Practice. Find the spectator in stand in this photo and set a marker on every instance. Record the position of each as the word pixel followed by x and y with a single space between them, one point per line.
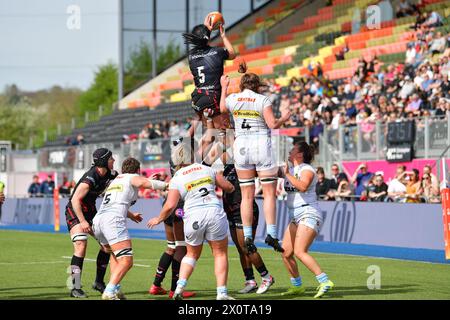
pixel 65 188
pixel 361 179
pixel 344 191
pixel 397 186
pixel 152 133
pixel 378 192
pixel 337 176
pixel 404 9
pixel 407 88
pixel 438 44
pixel 430 192
pixel 35 187
pixel 324 186
pixel 174 129
pixel 414 105
pixel 434 20
pixel 315 132
pixel 434 180
pixel 144 133
pixel 47 187
pixel 413 186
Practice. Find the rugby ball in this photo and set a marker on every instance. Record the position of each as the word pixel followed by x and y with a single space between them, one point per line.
pixel 216 19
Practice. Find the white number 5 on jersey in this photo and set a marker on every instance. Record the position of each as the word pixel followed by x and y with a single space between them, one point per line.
pixel 201 75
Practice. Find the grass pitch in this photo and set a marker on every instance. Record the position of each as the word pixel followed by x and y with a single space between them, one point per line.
pixel 33 266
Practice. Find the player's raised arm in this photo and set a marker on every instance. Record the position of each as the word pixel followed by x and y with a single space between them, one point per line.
pixel 224 81
pixel 227 44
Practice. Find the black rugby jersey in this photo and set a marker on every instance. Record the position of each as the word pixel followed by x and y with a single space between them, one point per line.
pixel 207 67
pixel 97 185
pixel 173 170
pixel 232 201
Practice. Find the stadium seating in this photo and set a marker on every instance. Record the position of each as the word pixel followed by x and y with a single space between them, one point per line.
pixel 315 40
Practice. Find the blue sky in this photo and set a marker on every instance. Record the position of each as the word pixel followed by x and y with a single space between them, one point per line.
pixel 38 50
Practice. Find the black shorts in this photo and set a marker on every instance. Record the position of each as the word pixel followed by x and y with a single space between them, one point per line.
pixel 72 219
pixel 171 219
pixel 203 99
pixel 235 220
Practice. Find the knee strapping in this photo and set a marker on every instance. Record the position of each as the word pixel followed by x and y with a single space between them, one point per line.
pixel 268 180
pixel 180 243
pixel 171 244
pixel 127 252
pixel 79 237
pixel 246 182
pixel 190 261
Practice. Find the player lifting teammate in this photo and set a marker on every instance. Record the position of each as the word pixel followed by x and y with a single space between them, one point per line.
pixel 175 251
pixel 204 218
pixel 80 211
pixel 232 206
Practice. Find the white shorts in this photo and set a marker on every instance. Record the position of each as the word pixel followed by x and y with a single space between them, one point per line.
pixel 110 228
pixel 208 223
pixel 253 152
pixel 309 216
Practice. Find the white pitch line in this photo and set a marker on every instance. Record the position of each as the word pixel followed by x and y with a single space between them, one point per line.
pixel 35 262
pixel 93 260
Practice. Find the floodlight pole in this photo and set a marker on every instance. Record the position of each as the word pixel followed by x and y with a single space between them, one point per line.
pixel 120 64
pixel 154 51
pixel 187 23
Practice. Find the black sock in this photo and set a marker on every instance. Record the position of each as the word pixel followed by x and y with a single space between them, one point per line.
pixel 262 270
pixel 164 263
pixel 102 264
pixel 76 263
pixel 248 272
pixel 175 274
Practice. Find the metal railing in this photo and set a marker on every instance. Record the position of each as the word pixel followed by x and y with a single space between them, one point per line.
pixel 368 141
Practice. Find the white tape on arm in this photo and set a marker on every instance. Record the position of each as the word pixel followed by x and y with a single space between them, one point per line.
pixel 158 185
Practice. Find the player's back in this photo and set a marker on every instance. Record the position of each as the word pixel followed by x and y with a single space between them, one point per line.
pixel 206 66
pixel 196 184
pixel 120 195
pixel 247 108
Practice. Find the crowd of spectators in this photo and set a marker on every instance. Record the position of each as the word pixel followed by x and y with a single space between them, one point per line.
pixel 419 86
pixel 47 187
pixel 165 129
pixel 364 185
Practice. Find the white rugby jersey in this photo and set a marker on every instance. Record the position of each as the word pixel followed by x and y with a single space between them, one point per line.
pixel 247 108
pixel 295 198
pixel 196 184
pixel 120 194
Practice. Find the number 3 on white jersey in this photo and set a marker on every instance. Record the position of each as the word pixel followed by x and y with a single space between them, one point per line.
pixel 201 75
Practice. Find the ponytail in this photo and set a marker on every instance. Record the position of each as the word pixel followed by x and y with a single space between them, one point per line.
pixel 198 38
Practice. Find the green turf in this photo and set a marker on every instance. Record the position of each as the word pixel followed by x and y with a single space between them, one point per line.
pixel 32 267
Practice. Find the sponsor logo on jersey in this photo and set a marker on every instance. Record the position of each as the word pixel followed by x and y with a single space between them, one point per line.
pixel 116 187
pixel 246 114
pixel 198 183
